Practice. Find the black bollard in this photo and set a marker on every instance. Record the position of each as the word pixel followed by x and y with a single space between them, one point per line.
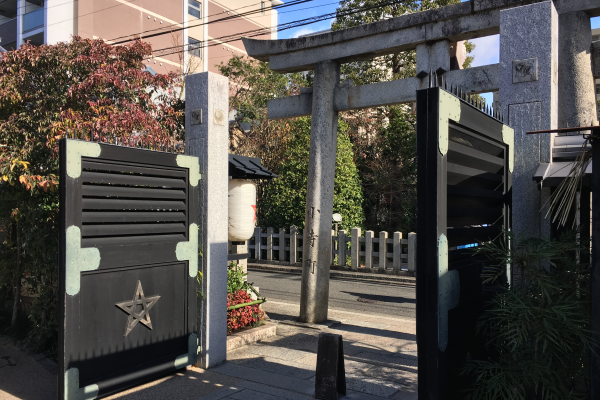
pixel 331 375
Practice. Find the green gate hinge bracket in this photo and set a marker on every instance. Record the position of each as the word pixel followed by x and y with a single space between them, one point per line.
pixel 188 251
pixel 77 149
pixel 448 291
pixel 191 357
pixel 78 260
pixel 449 109
pixel 508 137
pixel 72 389
pixel 193 165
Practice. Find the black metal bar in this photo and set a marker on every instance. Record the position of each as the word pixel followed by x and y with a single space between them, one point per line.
pixel 241 256
pixel 595 271
pixel 565 130
pixel 423 187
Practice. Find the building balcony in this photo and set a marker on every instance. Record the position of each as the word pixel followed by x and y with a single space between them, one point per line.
pixel 33 20
pixel 8 33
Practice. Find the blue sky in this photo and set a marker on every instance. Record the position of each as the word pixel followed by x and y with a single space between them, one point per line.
pixel 486 50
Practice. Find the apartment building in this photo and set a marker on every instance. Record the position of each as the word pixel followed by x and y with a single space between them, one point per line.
pixel 188 34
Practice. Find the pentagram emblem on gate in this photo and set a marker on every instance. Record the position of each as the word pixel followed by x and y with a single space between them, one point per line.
pixel 132 308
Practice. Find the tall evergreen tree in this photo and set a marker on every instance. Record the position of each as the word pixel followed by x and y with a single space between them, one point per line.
pixel 284 200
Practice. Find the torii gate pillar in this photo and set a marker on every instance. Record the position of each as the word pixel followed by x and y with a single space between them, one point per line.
pixel 316 248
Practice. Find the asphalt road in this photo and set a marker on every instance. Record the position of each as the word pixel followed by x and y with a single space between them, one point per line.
pixel 393 299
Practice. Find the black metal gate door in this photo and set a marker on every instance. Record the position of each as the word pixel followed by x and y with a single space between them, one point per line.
pixel 465 162
pixel 128 262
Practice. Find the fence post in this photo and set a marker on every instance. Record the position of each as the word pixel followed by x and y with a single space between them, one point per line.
pixel 342 247
pixel 369 249
pixel 257 241
pixel 281 244
pixel 397 250
pixel 332 248
pixel 355 248
pixel 383 261
pixel 269 243
pixel 412 251
pixel 293 244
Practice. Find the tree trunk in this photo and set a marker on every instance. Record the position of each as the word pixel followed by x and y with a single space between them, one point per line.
pixel 17 280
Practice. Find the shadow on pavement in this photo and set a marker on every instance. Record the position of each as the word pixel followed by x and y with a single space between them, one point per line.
pixel 373 331
pixel 381 299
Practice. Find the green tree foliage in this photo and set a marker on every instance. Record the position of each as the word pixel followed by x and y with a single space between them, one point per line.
pixel 394 66
pixel 469 47
pixel 388 168
pixel 538 329
pixel 284 200
pixel 252 84
pixel 384 138
pixel 84 88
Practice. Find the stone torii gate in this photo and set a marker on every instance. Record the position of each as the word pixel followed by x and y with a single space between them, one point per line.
pixel 529 40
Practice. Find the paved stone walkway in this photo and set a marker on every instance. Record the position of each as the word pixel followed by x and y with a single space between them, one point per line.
pixel 380 362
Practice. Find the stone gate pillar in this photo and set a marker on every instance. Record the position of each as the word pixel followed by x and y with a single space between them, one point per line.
pixel 433 57
pixel 207 137
pixel 316 247
pixel 577 97
pixel 529 99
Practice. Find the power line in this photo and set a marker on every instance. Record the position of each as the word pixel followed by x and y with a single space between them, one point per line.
pixel 118 5
pixel 230 17
pixel 152 30
pixel 234 16
pixel 280 27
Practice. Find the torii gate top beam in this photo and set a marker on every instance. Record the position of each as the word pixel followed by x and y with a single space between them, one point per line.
pixel 468 20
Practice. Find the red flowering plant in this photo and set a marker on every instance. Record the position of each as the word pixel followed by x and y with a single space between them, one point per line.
pixel 238 289
pixel 247 316
pixel 83 88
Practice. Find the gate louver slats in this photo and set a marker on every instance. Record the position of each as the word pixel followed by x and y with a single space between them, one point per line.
pixel 124 214
pixel 464 197
pixel 126 192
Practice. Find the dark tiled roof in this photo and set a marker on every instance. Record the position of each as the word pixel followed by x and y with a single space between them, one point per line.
pixel 241 167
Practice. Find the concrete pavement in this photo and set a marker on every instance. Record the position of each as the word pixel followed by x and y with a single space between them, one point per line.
pixel 380 360
pixel 24 375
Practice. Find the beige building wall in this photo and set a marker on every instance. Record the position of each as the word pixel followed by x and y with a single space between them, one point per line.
pixel 115 20
pixel 220 50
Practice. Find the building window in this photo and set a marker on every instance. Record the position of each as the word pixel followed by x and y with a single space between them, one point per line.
pixel 194 8
pixel 262 7
pixel 194 47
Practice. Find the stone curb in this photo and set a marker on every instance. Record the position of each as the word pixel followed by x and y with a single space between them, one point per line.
pixel 337 274
pixel 252 335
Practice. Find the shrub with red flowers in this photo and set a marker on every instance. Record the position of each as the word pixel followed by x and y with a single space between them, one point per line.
pixel 247 316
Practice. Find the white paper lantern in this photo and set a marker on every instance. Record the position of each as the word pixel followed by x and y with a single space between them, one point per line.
pixel 242 209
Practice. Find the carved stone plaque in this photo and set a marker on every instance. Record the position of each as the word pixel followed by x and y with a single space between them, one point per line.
pixel 197 116
pixel 219 117
pixel 525 70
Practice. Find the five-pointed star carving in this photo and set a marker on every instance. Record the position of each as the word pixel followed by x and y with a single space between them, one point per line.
pixel 131 308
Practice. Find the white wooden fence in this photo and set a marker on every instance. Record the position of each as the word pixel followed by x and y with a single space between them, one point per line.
pixel 365 251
